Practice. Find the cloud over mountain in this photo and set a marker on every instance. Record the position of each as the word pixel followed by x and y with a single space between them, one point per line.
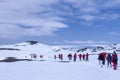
pixel 23 18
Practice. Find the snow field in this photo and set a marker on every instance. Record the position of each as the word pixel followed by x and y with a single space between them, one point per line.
pixel 55 70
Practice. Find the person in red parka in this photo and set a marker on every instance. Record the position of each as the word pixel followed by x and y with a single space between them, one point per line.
pixel 60 56
pixel 80 56
pixel 75 56
pixel 83 56
pixel 104 55
pixel 114 60
pixel 87 56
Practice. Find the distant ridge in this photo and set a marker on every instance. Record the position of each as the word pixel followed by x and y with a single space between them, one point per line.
pixel 32 42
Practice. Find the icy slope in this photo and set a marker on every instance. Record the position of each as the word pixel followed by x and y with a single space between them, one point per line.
pixel 54 70
pixel 24 50
pixel 88 48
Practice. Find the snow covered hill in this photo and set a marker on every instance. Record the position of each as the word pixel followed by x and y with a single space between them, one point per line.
pixel 25 49
pixel 93 49
pixel 55 69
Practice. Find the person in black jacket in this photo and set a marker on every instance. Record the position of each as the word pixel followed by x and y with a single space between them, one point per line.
pixel 109 59
pixel 101 59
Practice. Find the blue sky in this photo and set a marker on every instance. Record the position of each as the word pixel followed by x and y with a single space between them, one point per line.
pixel 55 22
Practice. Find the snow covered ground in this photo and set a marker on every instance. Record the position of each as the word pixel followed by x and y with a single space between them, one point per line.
pixel 54 70
pixel 51 69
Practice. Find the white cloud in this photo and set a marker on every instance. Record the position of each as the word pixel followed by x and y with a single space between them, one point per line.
pixel 85 42
pixel 87 17
pixel 114 33
pixel 38 15
pixel 35 27
pixel 44 19
pixel 81 3
pixel 9 31
pixel 109 16
pixel 91 10
pixel 112 3
pixel 106 16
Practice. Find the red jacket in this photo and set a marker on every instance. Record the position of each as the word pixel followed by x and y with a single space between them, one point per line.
pixel 75 56
pixel 87 55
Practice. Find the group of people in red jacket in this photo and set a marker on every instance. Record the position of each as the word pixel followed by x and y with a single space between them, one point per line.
pixel 80 56
pixel 111 59
pixel 74 56
pixel 60 56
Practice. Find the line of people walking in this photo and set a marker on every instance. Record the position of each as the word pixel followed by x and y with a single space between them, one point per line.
pixel 111 59
pixel 80 56
pixel 74 56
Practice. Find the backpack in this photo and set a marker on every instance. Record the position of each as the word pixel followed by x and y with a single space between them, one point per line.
pixel 115 58
pixel 101 57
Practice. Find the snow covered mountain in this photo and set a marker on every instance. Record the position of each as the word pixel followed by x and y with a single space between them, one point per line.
pixel 88 48
pixel 25 49
pixel 50 68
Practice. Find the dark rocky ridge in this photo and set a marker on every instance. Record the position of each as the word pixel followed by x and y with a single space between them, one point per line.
pixel 9 49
